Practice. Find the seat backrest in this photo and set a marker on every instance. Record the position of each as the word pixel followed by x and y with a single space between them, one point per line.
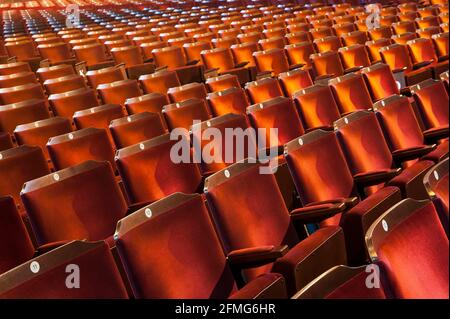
pixel 54 72
pixel 244 52
pixel 230 140
pixel 220 58
pixel 263 90
pixel 399 122
pixel 363 142
pixel 78 146
pixel 278 113
pixel 149 173
pixel 46 276
pixel 222 82
pixel 129 55
pixel 232 100
pixel 23 112
pixel 37 133
pixel 172 57
pixel 240 197
pixel 432 99
pixel 374 48
pixel 273 60
pixel 136 128
pixel 159 82
pixel 183 223
pixel 317 106
pixel 354 56
pixel 380 81
pixel 118 92
pixel 21 93
pixel 16 246
pixel 105 75
pixel 342 282
pixel 318 166
pixel 351 93
pixel 441 44
pixel 294 81
pixel 187 91
pixel 330 43
pixel 59 209
pixel 65 83
pixel 327 63
pixel 152 102
pixel 299 53
pixel 183 114
pixel 397 57
pixel 422 50
pixel 67 103
pixel 393 242
pixel 18 165
pixel 436 183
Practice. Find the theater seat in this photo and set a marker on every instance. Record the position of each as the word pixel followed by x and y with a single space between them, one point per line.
pixel 152 102
pixel 16 246
pixel 67 103
pixel 436 183
pixel 23 112
pixel 231 100
pixel 380 81
pixel 37 133
pixel 321 175
pixel 342 282
pixel 432 100
pixel 60 210
pixel 45 277
pixel 5 141
pixel 183 221
pixel 275 235
pixel 118 92
pixel 294 81
pixel 222 82
pixel 411 272
pixel 136 128
pixel 263 90
pixel 187 91
pixel 149 173
pixel 78 146
pixel 18 165
pixel 402 130
pixel 368 155
pixel 159 82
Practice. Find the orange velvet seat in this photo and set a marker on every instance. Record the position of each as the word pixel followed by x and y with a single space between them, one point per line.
pixel 159 82
pixel 232 100
pixel 294 81
pixel 23 112
pixel 263 90
pixel 18 165
pixel 187 91
pixel 243 181
pixel 380 81
pixel 317 106
pixel 183 114
pixel 152 102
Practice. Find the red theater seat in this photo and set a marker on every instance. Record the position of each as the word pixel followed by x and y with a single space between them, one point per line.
pixel 317 106
pixel 322 176
pixel 54 72
pixel 183 221
pixel 380 81
pixel 410 271
pixel 232 100
pixel 368 155
pixel 78 146
pixel 16 246
pixel 342 282
pixel 275 232
pixel 159 82
pixel 136 128
pixel 45 277
pixel 263 90
pixel 60 210
pixel 21 93
pixel 67 103
pixel 18 165
pixel 436 183
pixel 294 81
pixel 183 114
pixel 105 75
pixel 38 133
pixel 187 91
pixel 152 102
pixel 23 112
pixel 118 92
pixel 149 173
pixel 222 82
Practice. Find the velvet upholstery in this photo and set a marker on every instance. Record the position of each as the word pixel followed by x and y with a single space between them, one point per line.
pixel 159 82
pixel 263 90
pixel 411 246
pixel 277 113
pixel 186 92
pixel 149 173
pixel 351 93
pixel 27 111
pixel 16 246
pixel 380 81
pixel 327 63
pixel 18 165
pixel 294 81
pixel 183 114
pixel 152 102
pixel 59 209
pixel 136 128
pixel 118 92
pixel 78 146
pixel 317 106
pixel 232 100
pixel 67 103
pixel 38 133
pixel 98 274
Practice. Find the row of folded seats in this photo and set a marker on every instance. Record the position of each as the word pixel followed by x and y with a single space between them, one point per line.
pixel 361 150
